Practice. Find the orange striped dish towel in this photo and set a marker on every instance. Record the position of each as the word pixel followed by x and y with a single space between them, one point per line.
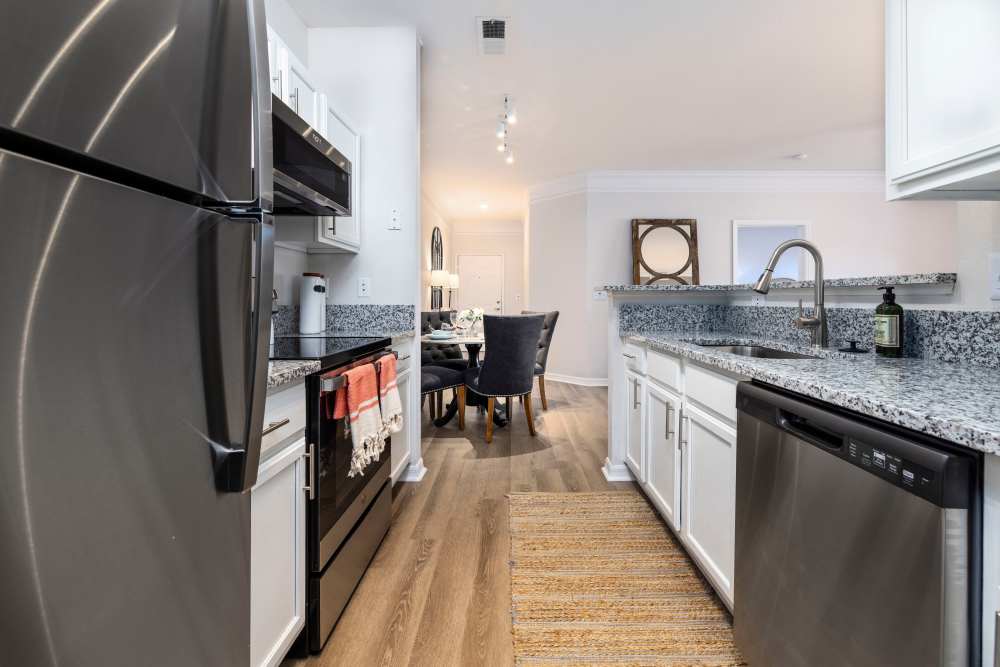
pixel 392 407
pixel 358 400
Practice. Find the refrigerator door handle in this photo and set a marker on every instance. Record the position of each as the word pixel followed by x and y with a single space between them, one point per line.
pixel 236 466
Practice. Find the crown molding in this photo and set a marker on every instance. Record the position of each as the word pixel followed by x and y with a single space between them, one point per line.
pixel 710 181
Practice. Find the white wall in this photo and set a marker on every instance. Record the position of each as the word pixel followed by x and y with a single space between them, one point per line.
pixel 430 217
pixel 504 238
pixel 558 270
pixel 372 76
pixel 289 265
pixel 580 240
pixel 977 235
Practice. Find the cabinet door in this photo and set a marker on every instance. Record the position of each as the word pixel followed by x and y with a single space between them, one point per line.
pixel 277 556
pixel 277 62
pixel 340 132
pixel 302 95
pixel 942 85
pixel 663 455
pixel 400 446
pixel 634 458
pixel 709 500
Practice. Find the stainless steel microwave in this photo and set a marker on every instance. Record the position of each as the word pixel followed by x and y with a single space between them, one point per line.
pixel 311 177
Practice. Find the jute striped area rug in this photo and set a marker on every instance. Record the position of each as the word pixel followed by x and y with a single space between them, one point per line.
pixel 597 579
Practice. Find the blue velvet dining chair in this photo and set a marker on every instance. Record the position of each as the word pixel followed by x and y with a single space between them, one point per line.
pixel 509 367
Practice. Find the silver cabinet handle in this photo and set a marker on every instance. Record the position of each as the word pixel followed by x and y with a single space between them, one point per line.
pixel 681 442
pixel 295 96
pixel 274 426
pixel 626 354
pixel 635 394
pixel 310 487
pixel 670 411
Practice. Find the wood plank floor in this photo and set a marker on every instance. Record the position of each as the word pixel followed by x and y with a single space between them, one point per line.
pixel 438 590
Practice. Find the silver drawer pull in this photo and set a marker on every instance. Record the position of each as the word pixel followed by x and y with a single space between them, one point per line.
pixel 630 356
pixel 670 412
pixel 274 426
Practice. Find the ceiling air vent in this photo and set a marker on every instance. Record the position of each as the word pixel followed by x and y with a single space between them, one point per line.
pixel 492 35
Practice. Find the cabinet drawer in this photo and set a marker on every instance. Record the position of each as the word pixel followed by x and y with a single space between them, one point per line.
pixel 664 368
pixel 287 404
pixel 712 390
pixel 634 357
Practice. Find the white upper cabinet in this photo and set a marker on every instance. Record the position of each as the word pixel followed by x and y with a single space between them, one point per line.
pixel 943 99
pixel 294 85
pixel 303 95
pixel 341 132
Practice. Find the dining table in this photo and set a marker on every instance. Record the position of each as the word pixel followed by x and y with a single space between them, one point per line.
pixel 473 344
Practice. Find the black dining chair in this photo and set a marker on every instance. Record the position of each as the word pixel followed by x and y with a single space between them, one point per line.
pixel 509 367
pixel 434 380
pixel 544 342
pixel 448 356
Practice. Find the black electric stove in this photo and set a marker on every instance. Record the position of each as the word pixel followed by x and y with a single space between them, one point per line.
pixel 329 349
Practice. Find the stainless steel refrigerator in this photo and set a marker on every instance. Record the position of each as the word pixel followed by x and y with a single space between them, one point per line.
pixel 136 264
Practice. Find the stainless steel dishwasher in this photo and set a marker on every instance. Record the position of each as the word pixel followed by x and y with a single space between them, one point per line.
pixel 857 542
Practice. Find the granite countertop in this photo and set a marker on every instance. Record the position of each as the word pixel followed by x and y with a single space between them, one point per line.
pixel 942 279
pixel 280 373
pixel 956 402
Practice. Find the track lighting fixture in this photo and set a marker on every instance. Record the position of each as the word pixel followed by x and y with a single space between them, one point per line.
pixel 509 112
pixel 509 155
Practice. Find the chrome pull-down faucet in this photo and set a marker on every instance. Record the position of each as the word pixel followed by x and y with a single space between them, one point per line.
pixel 817 323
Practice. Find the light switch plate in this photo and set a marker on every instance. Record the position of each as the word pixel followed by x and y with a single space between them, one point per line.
pixel 395 220
pixel 364 287
pixel 600 295
pixel 995 276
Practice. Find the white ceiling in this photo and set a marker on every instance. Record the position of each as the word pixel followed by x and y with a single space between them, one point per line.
pixel 630 84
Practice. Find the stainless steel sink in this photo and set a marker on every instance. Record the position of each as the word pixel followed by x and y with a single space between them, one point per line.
pixel 758 351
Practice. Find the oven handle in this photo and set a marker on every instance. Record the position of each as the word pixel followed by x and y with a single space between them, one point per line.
pixel 310 487
pixel 335 382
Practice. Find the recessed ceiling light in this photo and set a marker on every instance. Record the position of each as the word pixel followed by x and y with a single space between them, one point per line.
pixel 484 206
pixel 502 147
pixel 797 156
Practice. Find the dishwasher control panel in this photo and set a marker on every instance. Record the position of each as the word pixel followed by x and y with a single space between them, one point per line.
pixel 905 474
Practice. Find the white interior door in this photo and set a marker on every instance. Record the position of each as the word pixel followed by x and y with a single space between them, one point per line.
pixel 480 283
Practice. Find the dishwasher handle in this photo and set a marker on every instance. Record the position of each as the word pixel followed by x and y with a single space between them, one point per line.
pixel 803 428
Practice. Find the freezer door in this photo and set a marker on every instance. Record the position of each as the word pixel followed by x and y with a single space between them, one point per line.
pixel 126 360
pixel 166 89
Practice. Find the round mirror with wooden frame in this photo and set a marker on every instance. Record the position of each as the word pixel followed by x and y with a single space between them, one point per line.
pixel 665 251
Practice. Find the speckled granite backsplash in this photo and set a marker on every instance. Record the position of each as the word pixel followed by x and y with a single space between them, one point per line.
pixel 953 336
pixel 377 318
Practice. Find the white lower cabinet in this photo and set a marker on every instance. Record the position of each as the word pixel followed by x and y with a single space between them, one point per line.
pixel 663 455
pixel 400 442
pixel 634 458
pixel 680 444
pixel 277 555
pixel 709 498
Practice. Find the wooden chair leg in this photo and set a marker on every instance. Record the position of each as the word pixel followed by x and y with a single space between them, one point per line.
pixel 541 390
pixel 528 415
pixel 509 413
pixel 490 402
pixel 440 402
pixel 461 408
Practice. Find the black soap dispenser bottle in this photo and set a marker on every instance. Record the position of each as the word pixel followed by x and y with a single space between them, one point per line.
pixel 889 325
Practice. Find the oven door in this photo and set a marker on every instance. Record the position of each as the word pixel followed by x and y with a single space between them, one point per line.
pixel 339 500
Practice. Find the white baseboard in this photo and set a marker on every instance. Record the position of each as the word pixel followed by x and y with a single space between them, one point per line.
pixel 415 472
pixel 616 472
pixel 574 379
